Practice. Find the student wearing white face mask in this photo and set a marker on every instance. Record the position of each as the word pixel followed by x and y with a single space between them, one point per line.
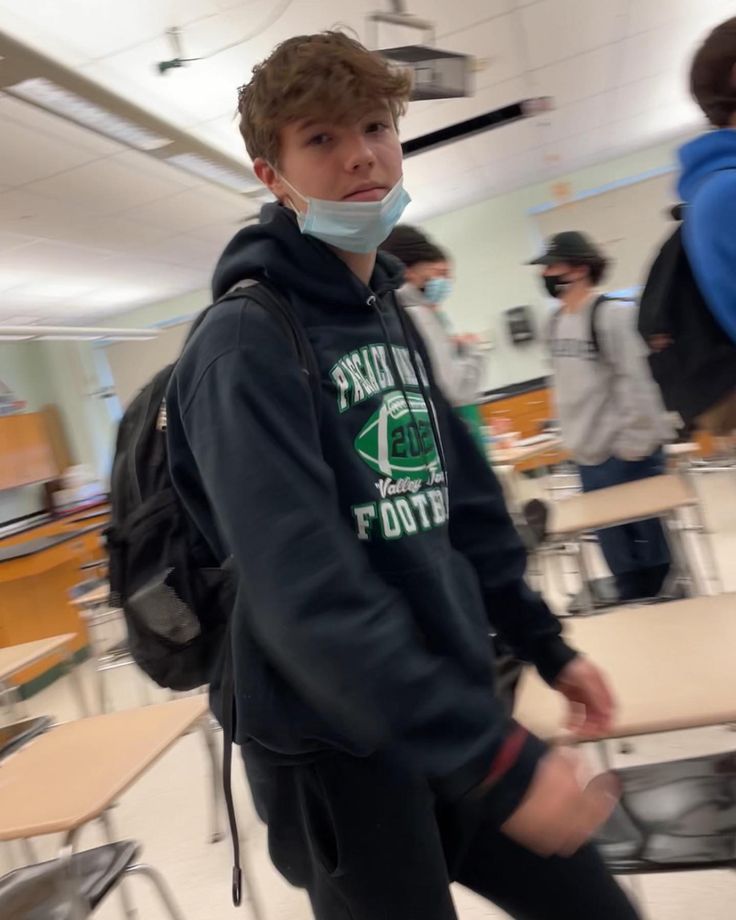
pixel 457 360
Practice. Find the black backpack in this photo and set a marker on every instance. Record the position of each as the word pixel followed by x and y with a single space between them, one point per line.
pixel 691 358
pixel 175 595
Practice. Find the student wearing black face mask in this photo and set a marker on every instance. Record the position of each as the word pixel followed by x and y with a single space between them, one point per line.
pixel 610 411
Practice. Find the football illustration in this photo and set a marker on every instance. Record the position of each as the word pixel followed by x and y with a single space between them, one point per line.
pixel 398 440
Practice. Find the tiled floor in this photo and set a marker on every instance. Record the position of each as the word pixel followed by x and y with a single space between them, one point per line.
pixel 167 810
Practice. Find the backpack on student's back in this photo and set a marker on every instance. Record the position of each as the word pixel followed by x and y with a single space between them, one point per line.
pixel 594 339
pixel 691 358
pixel 175 596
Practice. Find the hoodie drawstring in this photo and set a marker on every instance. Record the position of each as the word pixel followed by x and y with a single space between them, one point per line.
pixel 374 304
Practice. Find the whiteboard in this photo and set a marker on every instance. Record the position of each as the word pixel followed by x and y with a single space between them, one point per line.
pixel 133 364
pixel 629 223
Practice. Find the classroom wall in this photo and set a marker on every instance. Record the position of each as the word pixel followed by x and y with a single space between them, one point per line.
pixel 491 240
pixel 22 368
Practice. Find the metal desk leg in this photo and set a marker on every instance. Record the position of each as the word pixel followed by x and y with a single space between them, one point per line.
pixel 679 555
pixel 128 907
pixel 9 697
pixel 28 850
pixel 76 682
pixel 714 576
pixel 586 597
pixel 215 773
pixel 162 889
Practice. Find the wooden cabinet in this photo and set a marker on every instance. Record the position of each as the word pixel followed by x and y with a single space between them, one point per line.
pixel 527 412
pixel 26 456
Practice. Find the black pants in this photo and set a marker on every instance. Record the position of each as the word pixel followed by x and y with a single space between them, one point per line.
pixel 368 842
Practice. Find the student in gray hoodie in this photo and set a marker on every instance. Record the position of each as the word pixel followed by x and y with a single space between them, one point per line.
pixel 610 410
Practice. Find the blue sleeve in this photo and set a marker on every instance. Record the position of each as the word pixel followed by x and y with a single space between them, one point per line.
pixel 710 241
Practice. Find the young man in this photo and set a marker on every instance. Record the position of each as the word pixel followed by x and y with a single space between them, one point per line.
pixel 372 547
pixel 708 186
pixel 610 410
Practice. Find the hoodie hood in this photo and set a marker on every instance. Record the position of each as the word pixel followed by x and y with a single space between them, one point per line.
pixel 704 156
pixel 276 247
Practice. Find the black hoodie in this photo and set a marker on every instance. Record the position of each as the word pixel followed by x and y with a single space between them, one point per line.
pixel 370 558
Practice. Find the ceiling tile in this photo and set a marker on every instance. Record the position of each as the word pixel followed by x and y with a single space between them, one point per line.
pixel 644 15
pixel 27 156
pixel 195 208
pixel 576 78
pixel 497 44
pixel 107 187
pixel 559 29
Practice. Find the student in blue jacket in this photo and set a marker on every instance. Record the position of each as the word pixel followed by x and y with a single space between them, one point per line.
pixel 708 180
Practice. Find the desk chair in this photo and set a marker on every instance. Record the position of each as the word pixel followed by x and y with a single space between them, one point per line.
pixel 73 886
pixel 674 817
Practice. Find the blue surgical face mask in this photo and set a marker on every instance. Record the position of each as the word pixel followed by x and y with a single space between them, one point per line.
pixel 437 290
pixel 354 226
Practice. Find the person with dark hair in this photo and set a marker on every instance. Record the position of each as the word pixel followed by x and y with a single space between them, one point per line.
pixel 610 411
pixel 457 360
pixel 708 187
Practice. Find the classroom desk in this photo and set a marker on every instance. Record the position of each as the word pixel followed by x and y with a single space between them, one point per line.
pixel 657 496
pixel 671 667
pixel 513 456
pixel 72 774
pixel 17 657
pixel 38 568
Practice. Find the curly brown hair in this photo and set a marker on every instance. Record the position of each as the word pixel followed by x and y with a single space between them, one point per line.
pixel 327 74
pixel 713 74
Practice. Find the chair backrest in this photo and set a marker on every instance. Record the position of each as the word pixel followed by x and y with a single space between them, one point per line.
pixel 44 891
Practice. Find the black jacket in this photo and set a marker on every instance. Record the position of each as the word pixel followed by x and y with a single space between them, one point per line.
pixel 370 558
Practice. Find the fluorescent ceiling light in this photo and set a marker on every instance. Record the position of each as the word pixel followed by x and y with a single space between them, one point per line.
pixel 74 333
pixel 208 169
pixel 67 337
pixel 49 95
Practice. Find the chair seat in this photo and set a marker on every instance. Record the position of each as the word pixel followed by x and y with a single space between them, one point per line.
pixel 35 892
pixel 674 817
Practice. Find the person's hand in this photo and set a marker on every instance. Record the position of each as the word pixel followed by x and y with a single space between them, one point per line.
pixel 467 338
pixel 592 706
pixel 560 811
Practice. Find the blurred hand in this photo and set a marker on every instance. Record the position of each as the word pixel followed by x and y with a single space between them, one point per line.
pixel 560 812
pixel 467 338
pixel 592 706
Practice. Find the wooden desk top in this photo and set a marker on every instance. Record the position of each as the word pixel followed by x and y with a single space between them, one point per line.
pixel 514 455
pixel 671 667
pixel 633 501
pixel 16 657
pixel 39 544
pixel 70 775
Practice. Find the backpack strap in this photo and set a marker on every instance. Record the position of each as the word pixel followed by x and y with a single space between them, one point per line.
pixel 273 301
pixel 594 340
